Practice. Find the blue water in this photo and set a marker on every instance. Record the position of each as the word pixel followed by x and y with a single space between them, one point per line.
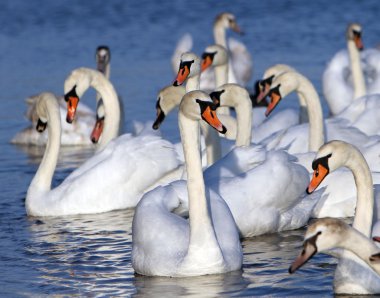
pixel 42 41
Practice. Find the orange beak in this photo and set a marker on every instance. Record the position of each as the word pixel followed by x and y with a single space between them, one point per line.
pixel 206 62
pixel 275 99
pixel 97 131
pixel 358 42
pixel 182 75
pixel 212 119
pixel 72 104
pixel 319 174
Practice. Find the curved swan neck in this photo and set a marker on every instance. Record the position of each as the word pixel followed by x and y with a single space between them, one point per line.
pixel 356 70
pixel 237 97
pixel 111 108
pixel 314 110
pixel 42 180
pixel 365 195
pixel 201 228
pixel 361 246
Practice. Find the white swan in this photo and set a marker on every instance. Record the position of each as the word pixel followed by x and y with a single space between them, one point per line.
pixel 344 79
pixel 309 137
pixel 115 178
pixel 190 71
pixel 236 177
pixel 240 70
pixel 329 233
pixel 352 275
pixel 217 57
pixel 81 131
pixel 165 244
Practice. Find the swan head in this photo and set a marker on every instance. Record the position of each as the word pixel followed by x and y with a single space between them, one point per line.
pixel 330 156
pixel 214 55
pixel 103 58
pixel 197 105
pixel 268 77
pixel 75 85
pixel 189 66
pixel 324 234
pixel 228 21
pixel 281 86
pixel 168 98
pixel 42 100
pixel 354 33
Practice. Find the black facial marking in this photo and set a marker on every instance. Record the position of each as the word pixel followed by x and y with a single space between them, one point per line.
pixel 208 54
pixel 324 161
pixel 41 126
pixel 185 63
pixel 205 104
pixel 71 93
pixel 215 96
pixel 357 33
pixel 275 90
pixel 160 116
pixel 268 81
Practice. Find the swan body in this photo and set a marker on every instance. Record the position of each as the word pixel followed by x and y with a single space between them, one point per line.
pixel 240 70
pixel 115 178
pixel 351 74
pixel 165 244
pixel 352 276
pixel 81 130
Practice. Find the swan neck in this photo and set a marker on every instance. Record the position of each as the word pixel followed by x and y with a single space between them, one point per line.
pixel 193 83
pixel 212 142
pixel 111 108
pixel 221 75
pixel 361 246
pixel 356 70
pixel 314 112
pixel 201 229
pixel 220 35
pixel 42 180
pixel 365 195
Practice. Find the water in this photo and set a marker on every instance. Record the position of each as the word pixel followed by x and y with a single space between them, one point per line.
pixel 43 41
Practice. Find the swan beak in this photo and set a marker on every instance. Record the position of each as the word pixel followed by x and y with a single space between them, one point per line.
pixel 376 238
pixel 209 115
pixel 319 174
pixel 263 92
pixel 235 27
pixel 182 75
pixel 97 131
pixel 274 100
pixel 309 250
pixel 206 62
pixel 159 119
pixel 375 258
pixel 72 104
pixel 358 42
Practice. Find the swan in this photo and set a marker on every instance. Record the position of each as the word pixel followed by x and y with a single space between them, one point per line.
pixel 305 138
pixel 352 275
pixel 103 58
pixel 190 71
pixel 236 177
pixel 240 70
pixel 264 87
pixel 79 132
pixel 114 178
pixel 164 244
pixel 77 82
pixel 344 79
pixel 217 57
pixel 329 233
